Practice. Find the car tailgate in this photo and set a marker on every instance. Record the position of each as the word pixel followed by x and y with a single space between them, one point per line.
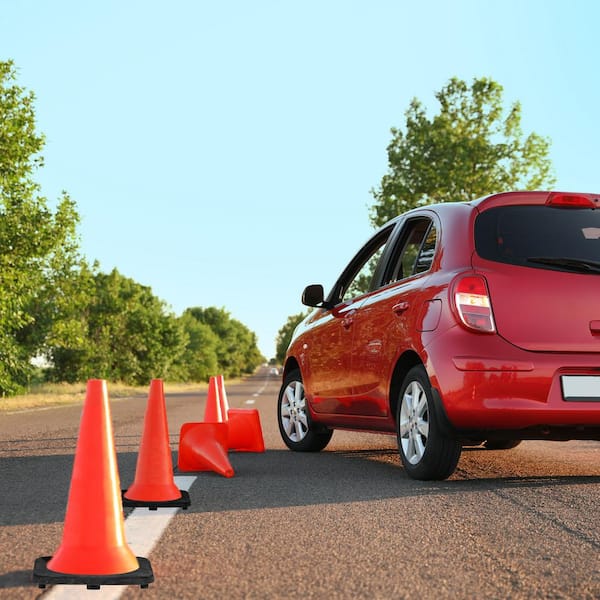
pixel 545 310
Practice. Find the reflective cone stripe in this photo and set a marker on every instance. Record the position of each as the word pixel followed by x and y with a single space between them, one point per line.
pixel 154 471
pixel 222 397
pixel 93 541
pixel 212 410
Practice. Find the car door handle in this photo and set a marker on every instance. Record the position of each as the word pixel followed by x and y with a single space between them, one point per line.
pixel 400 307
pixel 347 322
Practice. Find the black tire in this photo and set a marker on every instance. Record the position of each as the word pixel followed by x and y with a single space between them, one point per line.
pixel 501 444
pixel 297 430
pixel 425 452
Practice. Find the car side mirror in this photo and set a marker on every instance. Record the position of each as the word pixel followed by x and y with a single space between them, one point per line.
pixel 313 295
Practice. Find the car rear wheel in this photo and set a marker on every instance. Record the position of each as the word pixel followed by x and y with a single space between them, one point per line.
pixel 425 452
pixel 297 430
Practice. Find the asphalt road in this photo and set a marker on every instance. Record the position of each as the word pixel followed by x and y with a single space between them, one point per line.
pixel 344 523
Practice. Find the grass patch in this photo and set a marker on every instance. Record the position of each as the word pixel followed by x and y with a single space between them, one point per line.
pixel 46 395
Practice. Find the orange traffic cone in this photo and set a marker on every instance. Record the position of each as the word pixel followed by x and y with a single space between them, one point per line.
pixel 94 551
pixel 154 485
pixel 244 432
pixel 213 412
pixel 203 447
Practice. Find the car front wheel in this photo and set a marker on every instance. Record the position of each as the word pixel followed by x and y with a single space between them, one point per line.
pixel 297 430
pixel 425 452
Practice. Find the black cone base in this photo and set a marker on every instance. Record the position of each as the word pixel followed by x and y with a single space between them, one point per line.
pixel 43 576
pixel 182 502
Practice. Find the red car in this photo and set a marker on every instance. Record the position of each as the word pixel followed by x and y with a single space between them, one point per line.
pixel 456 324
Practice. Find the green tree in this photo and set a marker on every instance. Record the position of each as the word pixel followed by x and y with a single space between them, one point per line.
pixel 38 246
pixel 127 335
pixel 199 360
pixel 473 147
pixel 237 350
pixel 284 335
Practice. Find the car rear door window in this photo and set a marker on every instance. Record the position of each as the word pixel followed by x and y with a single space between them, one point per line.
pixel 415 250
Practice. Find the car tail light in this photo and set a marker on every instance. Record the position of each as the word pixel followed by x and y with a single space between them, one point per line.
pixel 570 200
pixel 472 302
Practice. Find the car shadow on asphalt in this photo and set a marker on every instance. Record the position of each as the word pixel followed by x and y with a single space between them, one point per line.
pixel 280 478
pixel 35 488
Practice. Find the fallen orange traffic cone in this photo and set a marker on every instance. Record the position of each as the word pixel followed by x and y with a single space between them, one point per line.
pixel 203 447
pixel 244 431
pixel 153 485
pixel 94 551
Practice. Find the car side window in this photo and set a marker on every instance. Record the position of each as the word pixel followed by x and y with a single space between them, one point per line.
pixel 415 250
pixel 427 252
pixel 361 284
pixel 359 276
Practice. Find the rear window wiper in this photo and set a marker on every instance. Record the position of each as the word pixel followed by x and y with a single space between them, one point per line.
pixel 572 264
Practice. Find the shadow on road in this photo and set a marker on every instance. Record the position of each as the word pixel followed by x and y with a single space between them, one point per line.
pixel 35 489
pixel 16 579
pixel 280 478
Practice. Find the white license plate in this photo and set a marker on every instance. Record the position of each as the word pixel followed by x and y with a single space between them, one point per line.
pixel 581 388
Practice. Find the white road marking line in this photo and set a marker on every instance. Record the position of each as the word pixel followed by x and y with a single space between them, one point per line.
pixel 265 384
pixel 143 529
pixel 249 402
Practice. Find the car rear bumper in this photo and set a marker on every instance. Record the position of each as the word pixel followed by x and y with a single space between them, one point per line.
pixel 500 386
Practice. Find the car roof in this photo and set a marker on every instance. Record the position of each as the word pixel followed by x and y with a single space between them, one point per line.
pixel 459 216
pixel 493 200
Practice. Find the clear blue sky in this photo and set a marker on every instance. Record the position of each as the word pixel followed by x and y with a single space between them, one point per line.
pixel 223 153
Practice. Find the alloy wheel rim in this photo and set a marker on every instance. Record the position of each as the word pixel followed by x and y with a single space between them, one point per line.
pixel 293 412
pixel 414 422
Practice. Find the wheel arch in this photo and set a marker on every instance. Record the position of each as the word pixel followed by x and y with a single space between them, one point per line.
pixel 290 365
pixel 298 431
pixel 405 363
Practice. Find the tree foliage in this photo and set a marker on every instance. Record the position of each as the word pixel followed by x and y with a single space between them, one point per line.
pixel 199 359
pixel 471 148
pixel 284 335
pixel 86 323
pixel 237 351
pixel 126 335
pixel 38 246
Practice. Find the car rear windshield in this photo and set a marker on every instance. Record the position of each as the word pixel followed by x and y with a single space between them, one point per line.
pixel 567 239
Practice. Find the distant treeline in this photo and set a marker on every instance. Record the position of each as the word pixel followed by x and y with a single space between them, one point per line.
pixel 120 331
